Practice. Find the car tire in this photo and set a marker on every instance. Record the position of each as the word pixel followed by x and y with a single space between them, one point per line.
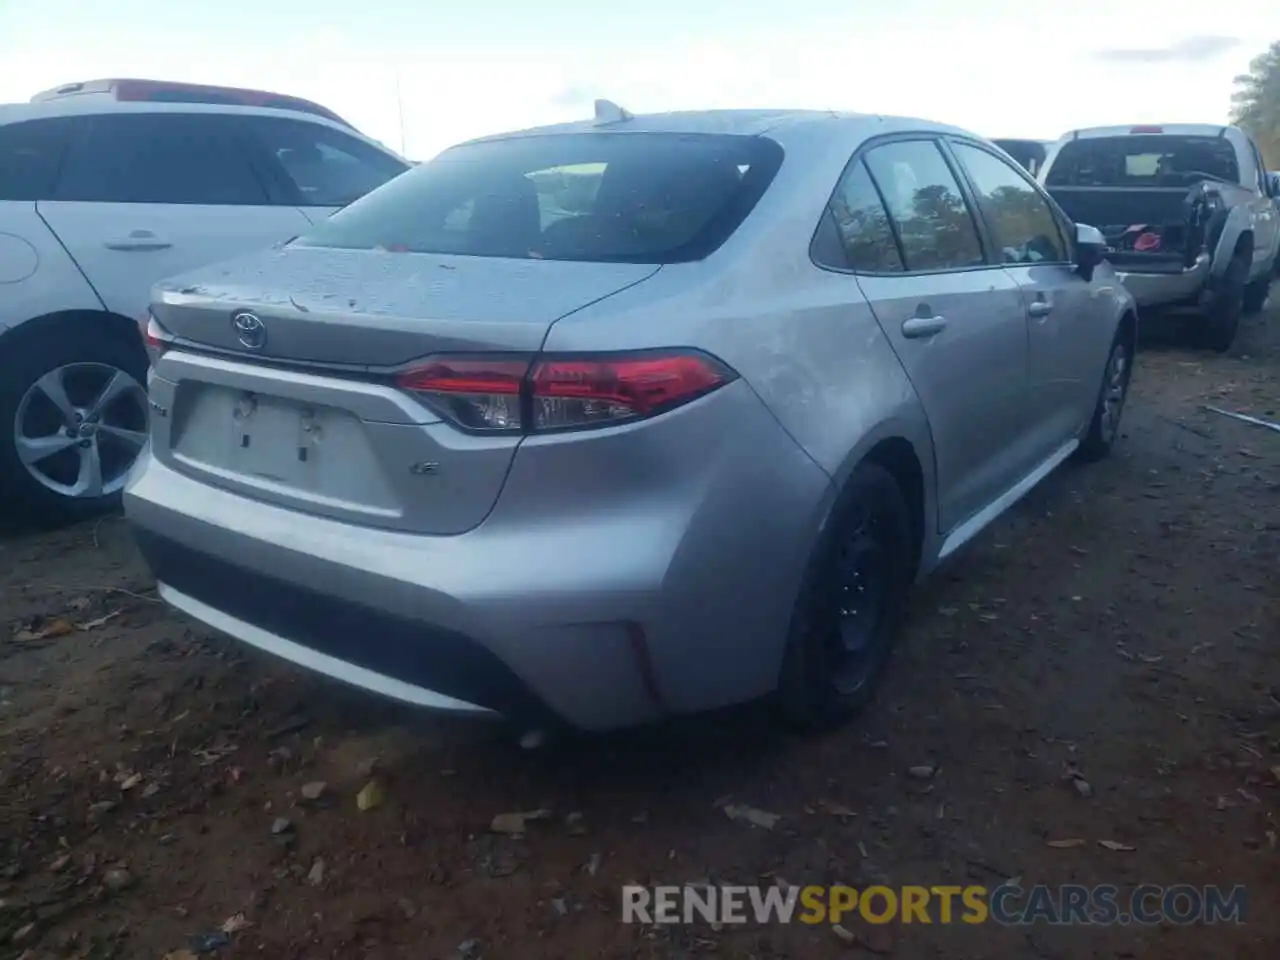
pixel 1256 293
pixel 1222 317
pixel 867 546
pixel 1104 425
pixel 83 359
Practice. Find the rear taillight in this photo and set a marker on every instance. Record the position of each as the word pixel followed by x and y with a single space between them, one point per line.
pixel 562 393
pixel 154 337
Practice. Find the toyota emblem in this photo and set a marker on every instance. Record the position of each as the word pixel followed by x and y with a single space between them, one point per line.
pixel 250 331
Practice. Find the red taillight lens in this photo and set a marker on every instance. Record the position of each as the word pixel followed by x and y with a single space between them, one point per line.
pixel 579 393
pixel 559 393
pixel 475 393
pixel 154 337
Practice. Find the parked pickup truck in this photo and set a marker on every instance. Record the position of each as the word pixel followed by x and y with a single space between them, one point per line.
pixel 1187 211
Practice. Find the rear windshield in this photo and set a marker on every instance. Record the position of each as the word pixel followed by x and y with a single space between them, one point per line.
pixel 620 197
pixel 1148 160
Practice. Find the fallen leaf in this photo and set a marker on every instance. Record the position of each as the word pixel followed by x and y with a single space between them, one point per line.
pixel 1082 787
pixel 233 925
pixel 183 954
pixel 759 818
pixel 513 824
pixel 60 627
pixel 1150 658
pixel 1066 844
pixel 922 772
pixel 835 809
pixel 1275 772
pixel 131 781
pixel 314 790
pixel 370 796
pixel 1116 845
pixel 315 876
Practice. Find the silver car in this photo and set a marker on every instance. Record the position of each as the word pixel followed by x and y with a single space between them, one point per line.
pixel 612 421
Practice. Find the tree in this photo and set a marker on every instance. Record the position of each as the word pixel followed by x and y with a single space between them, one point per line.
pixel 1255 105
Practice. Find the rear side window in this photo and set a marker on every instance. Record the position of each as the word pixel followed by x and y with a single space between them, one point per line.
pixel 30 156
pixel 621 197
pixel 1144 160
pixel 863 224
pixel 320 166
pixel 934 224
pixel 159 158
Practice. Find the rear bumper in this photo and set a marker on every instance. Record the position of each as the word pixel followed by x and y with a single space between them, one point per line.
pixel 422 629
pixel 1156 289
pixel 599 591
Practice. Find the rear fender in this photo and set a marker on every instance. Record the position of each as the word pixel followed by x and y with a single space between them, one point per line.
pixel 1235 231
pixel 908 424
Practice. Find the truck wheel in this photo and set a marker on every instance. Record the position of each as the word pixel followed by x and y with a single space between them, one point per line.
pixel 73 420
pixel 1222 317
pixel 1256 293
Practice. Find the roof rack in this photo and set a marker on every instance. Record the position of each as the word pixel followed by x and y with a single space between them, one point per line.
pixel 172 91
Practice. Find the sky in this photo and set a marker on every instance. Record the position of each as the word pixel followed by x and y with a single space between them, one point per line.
pixel 420 76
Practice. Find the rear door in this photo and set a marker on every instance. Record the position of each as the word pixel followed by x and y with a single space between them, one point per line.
pixel 143 196
pixel 1028 240
pixel 956 321
pixel 318 168
pixel 36 275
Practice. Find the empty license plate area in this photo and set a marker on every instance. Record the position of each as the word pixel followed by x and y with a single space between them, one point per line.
pixel 279 446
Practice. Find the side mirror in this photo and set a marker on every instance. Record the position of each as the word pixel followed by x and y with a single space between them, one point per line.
pixel 1091 249
pixel 1273 185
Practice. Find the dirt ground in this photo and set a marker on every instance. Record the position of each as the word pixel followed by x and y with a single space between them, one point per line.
pixel 1117 630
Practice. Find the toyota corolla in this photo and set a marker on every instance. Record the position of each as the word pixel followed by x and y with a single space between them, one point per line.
pixel 612 421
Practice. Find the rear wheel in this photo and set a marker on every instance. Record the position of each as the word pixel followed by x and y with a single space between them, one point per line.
pixel 1256 293
pixel 1222 317
pixel 851 604
pixel 73 420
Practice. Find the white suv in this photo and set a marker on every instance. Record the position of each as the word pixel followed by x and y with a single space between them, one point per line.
pixel 103 195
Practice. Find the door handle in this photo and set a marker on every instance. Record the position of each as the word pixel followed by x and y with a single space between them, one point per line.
pixel 1040 308
pixel 138 240
pixel 917 327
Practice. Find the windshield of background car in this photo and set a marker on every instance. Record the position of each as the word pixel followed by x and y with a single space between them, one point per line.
pixel 615 197
pixel 1147 160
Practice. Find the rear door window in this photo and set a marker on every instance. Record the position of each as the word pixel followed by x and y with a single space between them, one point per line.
pixel 1143 160
pixel 934 223
pixel 31 153
pixel 159 158
pixel 321 166
pixel 621 197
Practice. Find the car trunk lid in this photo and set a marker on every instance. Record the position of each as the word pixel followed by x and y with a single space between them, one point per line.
pixel 373 308
pixel 308 416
